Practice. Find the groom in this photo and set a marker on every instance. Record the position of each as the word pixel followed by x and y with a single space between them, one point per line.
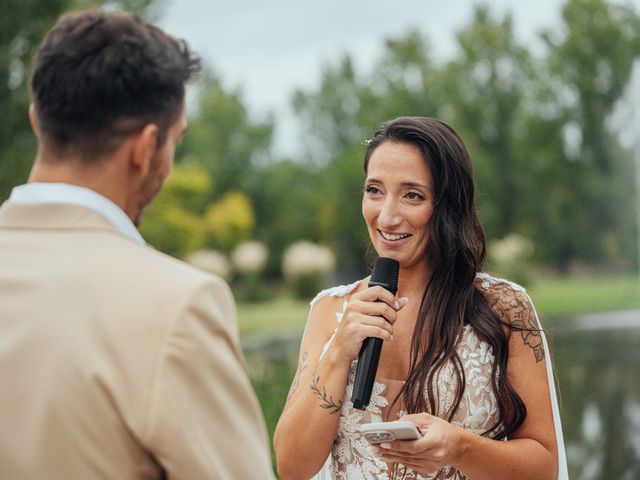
pixel 116 361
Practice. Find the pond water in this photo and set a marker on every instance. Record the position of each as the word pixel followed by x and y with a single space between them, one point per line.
pixel 597 361
pixel 598 365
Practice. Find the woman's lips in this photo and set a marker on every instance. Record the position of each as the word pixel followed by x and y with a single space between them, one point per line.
pixel 393 239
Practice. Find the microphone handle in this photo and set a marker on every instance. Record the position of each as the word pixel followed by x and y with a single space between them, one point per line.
pixel 368 359
pixel 369 356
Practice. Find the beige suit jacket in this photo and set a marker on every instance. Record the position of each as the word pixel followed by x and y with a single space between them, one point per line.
pixel 116 361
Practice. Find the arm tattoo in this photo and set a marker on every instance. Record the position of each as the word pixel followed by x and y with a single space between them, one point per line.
pixel 509 304
pixel 328 403
pixel 525 322
pixel 296 379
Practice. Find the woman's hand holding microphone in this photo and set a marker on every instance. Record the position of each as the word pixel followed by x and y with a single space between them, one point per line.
pixel 370 313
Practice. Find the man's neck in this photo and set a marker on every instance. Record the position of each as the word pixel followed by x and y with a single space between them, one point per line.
pixel 100 178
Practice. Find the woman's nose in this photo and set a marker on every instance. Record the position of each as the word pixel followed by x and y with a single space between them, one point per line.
pixel 390 214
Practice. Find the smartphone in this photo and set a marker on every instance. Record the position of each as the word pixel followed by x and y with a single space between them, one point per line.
pixel 378 432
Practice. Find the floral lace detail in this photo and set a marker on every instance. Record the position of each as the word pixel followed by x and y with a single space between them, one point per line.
pixel 339 291
pixel 352 458
pixel 478 411
pixel 489 281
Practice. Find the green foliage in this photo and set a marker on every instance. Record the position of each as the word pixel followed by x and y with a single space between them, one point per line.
pixel 272 386
pixel 289 201
pixel 223 138
pixel 510 257
pixel 172 222
pixel 229 221
pixel 306 285
pixel 593 63
pixel 488 97
pixel 179 220
pixel 341 213
pixel 331 114
pixel 173 230
pixel 250 287
pixel 189 185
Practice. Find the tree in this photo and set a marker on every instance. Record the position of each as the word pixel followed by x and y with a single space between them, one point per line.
pixel 289 206
pixel 593 61
pixel 330 115
pixel 173 222
pixel 487 87
pixel 224 138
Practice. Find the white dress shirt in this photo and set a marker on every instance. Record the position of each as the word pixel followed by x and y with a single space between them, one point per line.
pixel 74 195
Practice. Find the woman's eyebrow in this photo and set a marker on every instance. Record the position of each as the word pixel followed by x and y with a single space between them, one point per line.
pixel 409 184
pixel 415 185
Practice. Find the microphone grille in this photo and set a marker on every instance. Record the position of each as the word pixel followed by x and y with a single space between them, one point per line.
pixel 385 272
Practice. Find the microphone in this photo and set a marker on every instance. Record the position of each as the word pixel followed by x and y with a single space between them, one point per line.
pixel 385 274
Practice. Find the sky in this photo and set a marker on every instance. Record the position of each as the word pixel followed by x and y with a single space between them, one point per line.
pixel 271 48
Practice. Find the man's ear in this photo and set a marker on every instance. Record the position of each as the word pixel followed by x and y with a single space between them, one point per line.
pixel 144 146
pixel 33 119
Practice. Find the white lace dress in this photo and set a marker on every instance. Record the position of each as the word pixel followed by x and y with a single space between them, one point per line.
pixel 351 459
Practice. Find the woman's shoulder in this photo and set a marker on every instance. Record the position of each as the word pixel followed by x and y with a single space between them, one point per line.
pixel 509 300
pixel 327 308
pixel 339 291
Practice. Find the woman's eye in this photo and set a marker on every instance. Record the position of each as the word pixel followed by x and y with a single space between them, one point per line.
pixel 414 196
pixel 372 190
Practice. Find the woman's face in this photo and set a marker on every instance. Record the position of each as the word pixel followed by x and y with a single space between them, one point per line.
pixel 398 202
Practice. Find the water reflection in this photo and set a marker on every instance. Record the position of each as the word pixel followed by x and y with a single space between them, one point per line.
pixel 597 362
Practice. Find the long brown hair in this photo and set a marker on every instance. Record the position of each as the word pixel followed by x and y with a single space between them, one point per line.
pixel 456 252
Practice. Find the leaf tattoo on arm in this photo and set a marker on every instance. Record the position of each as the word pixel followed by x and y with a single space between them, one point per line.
pixel 328 403
pixel 508 304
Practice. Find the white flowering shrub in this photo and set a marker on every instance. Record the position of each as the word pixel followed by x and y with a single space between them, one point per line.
pixel 512 248
pixel 249 260
pixel 305 266
pixel 510 256
pixel 249 257
pixel 211 261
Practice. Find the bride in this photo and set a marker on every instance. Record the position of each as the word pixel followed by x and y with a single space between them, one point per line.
pixel 464 357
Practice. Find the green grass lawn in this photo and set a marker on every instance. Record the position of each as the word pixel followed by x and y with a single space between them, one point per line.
pixel 562 297
pixel 554 297
pixel 279 314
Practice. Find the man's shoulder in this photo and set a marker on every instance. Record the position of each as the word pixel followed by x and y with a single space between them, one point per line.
pixel 117 264
pixel 160 286
pixel 157 266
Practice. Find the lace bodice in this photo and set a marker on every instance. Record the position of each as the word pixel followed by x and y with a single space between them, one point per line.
pixel 477 411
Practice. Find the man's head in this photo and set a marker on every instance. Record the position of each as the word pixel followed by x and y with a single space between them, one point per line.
pixel 101 78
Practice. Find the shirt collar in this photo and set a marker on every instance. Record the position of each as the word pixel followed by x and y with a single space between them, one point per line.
pixel 37 192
